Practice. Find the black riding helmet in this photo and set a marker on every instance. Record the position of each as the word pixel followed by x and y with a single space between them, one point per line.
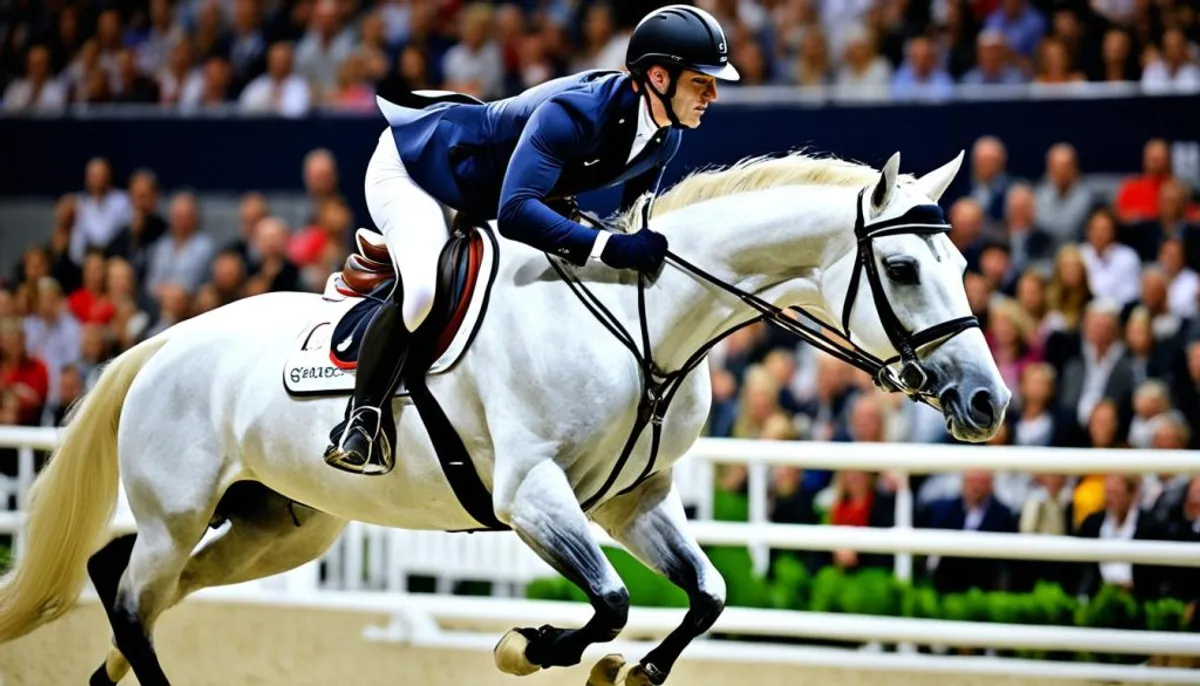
pixel 678 37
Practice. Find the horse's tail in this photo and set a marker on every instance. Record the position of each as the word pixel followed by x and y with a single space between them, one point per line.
pixel 71 503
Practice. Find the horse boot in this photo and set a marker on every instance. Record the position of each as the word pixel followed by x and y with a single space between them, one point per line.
pixel 361 443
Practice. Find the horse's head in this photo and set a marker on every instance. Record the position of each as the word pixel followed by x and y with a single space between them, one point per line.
pixel 899 291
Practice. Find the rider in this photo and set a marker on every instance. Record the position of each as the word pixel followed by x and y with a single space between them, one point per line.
pixel 511 160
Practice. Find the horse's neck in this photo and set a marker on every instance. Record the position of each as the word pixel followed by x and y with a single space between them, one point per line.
pixel 770 243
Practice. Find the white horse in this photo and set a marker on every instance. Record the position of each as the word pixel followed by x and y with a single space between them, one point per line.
pixel 543 400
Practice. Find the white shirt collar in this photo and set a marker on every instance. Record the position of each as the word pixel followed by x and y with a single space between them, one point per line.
pixel 646 128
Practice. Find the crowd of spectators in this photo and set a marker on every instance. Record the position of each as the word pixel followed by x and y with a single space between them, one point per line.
pixel 290 56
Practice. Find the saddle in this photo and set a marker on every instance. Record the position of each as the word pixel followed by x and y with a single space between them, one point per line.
pixel 467 269
pixel 370 275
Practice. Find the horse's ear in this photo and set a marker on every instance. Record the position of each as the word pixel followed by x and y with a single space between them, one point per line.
pixel 935 183
pixel 882 195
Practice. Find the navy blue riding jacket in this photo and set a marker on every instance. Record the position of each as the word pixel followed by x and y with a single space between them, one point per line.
pixel 506 159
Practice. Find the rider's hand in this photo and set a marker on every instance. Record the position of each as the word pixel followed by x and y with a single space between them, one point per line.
pixel 643 251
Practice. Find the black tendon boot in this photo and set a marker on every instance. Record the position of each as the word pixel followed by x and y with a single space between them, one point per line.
pixel 362 442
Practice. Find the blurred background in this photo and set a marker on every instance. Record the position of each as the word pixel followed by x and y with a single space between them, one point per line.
pixel 164 158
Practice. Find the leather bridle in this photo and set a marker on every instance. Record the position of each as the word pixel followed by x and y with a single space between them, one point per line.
pixel 912 378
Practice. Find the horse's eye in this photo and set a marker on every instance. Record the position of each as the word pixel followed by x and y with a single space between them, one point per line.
pixel 902 270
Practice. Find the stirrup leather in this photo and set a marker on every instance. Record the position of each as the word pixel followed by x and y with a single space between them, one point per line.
pixel 379 458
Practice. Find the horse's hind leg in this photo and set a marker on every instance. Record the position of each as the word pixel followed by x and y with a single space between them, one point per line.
pixel 267 535
pixel 105 569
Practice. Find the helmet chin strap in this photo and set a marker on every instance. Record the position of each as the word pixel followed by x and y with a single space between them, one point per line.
pixel 663 97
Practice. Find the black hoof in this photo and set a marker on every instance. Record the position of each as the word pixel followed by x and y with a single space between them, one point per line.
pixel 100 677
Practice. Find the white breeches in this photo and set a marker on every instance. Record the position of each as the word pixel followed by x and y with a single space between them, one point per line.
pixel 413 225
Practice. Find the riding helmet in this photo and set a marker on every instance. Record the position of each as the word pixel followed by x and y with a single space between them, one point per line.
pixel 680 37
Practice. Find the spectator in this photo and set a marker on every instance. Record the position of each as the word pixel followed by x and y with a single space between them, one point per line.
pixel 995 264
pixel 38 91
pixel 1121 519
pixel 864 74
pixel 475 65
pixel 180 74
pixel 146 226
pixel 1047 511
pixel 1172 222
pixel 920 77
pixel 1112 268
pixel 51 333
pixel 58 252
pixel 599 37
pixel 164 34
pixel 957 35
pixel 1031 296
pixel 724 403
pixel 1151 399
pixel 974 510
pixel 1020 23
pixel 22 374
pixel 859 500
pixel 132 86
pixel 1030 245
pixel 990 182
pixel 1119 63
pixel 1183 524
pixel 320 180
pixel 1054 65
pixel 1101 369
pixel 228 280
pixel 1169 329
pixel 825 410
pixel 175 306
pixel 994 67
pixel 967 232
pixel 182 256
pixel 1149 361
pixel 90 304
pixel 252 209
pixel 1173 69
pixel 70 390
pixel 979 296
pixel 101 210
pixel 132 308
pixel 1186 389
pixel 280 90
pixel 212 89
pixel 812 68
pixel 1069 292
pixel 1063 203
pixel 1011 338
pixel 1183 292
pixel 353 92
pixel 1137 198
pixel 275 271
pixel 248 45
pixel 1040 422
pixel 759 402
pixel 94 351
pixel 325 45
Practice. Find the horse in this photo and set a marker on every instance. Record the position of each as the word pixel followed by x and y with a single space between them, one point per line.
pixel 196 426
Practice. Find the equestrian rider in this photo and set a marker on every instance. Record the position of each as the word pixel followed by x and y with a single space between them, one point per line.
pixel 511 160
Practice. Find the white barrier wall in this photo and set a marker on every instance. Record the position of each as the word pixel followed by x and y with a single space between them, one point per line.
pixel 369 557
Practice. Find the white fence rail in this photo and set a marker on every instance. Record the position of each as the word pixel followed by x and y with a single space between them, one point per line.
pixel 369 557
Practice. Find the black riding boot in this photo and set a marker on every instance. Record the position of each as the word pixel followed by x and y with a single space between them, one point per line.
pixel 362 442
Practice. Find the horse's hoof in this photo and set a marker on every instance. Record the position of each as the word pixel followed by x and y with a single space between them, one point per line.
pixel 510 655
pixel 607 671
pixel 639 676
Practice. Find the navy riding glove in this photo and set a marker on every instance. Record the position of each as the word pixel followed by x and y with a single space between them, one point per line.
pixel 643 251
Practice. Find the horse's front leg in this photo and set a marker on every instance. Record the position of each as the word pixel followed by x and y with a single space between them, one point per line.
pixel 649 521
pixel 545 513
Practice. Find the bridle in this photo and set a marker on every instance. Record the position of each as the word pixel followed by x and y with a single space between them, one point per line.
pixel 912 378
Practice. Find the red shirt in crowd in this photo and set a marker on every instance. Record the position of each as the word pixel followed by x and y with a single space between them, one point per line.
pixel 90 308
pixel 306 247
pixel 849 512
pixel 1137 199
pixel 30 380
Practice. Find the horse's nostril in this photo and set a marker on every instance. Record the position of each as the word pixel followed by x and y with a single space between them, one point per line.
pixel 983 410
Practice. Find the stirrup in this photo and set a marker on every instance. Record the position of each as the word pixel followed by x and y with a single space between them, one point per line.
pixel 378 458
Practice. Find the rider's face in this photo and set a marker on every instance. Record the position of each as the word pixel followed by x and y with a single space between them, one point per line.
pixel 692 97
